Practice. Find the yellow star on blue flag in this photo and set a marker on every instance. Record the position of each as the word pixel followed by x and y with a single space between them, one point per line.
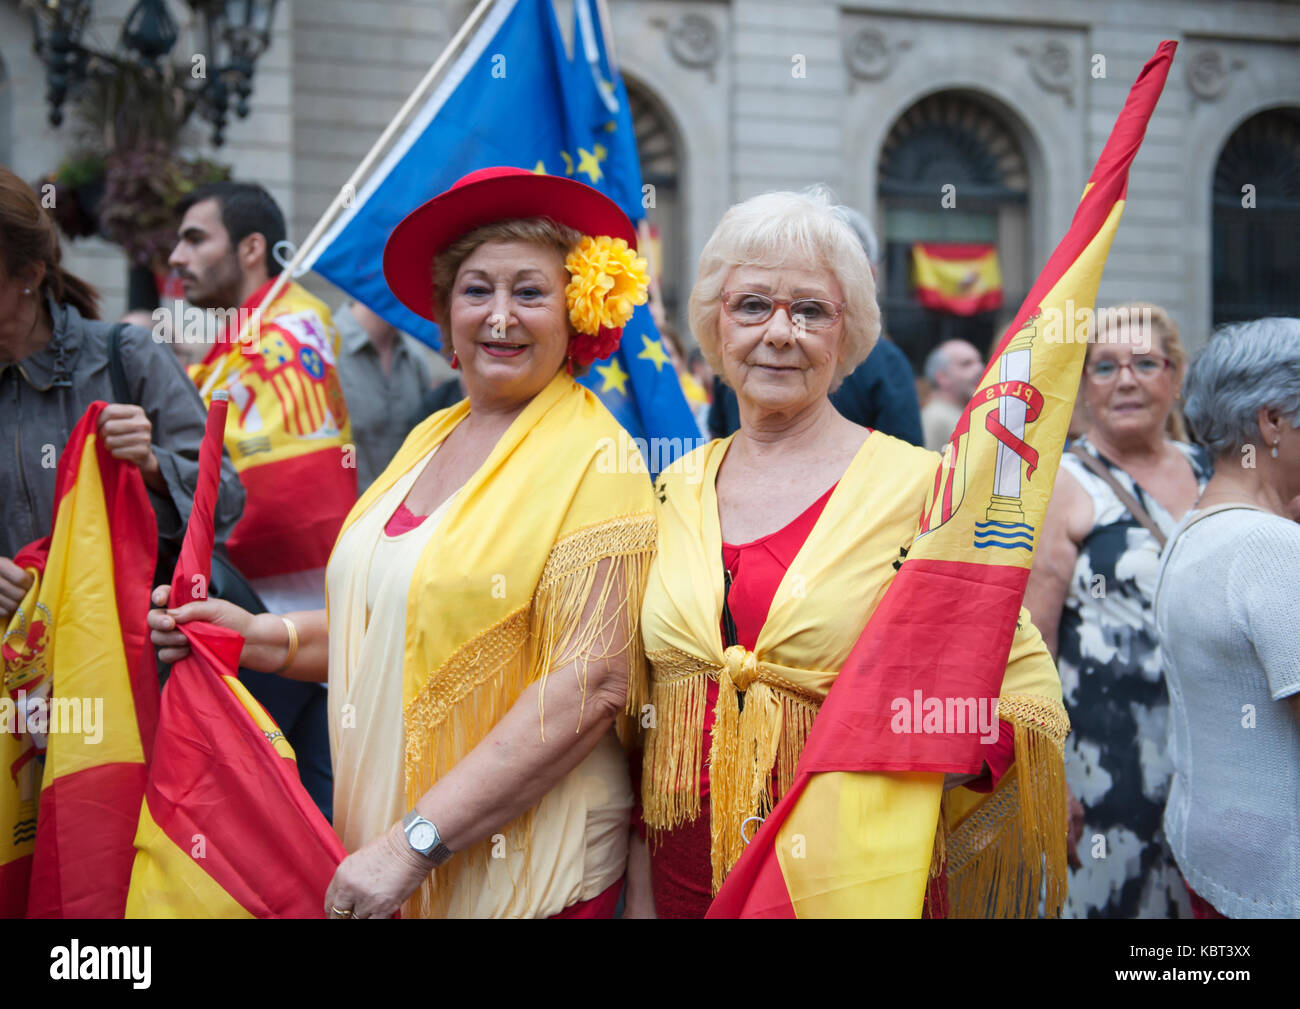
pixel 654 351
pixel 614 375
pixel 589 162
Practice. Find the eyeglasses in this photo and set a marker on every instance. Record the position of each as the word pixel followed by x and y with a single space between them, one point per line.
pixel 1148 367
pixel 748 309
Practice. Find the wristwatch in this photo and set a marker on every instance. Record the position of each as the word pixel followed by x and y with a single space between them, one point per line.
pixel 423 837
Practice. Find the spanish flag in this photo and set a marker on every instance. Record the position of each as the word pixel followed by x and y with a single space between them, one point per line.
pixel 226 829
pixel 958 279
pixel 856 833
pixel 80 702
pixel 288 433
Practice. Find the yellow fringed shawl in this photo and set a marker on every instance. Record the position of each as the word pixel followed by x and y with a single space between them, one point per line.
pixel 995 845
pixel 498 590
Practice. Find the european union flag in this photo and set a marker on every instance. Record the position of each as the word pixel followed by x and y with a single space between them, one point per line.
pixel 514 97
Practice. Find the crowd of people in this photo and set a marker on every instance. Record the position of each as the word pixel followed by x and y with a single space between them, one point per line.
pixel 460 620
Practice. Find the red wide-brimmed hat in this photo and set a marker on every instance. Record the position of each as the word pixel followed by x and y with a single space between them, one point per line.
pixel 482 197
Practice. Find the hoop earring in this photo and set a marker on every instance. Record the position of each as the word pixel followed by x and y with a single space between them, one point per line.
pixel 455 361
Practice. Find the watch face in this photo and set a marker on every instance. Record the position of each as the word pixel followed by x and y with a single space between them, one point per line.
pixel 423 836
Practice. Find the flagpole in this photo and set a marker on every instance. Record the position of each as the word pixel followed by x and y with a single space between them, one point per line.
pixel 348 190
pixel 607 33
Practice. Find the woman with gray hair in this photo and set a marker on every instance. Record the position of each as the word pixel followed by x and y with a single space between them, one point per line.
pixel 775 546
pixel 1225 610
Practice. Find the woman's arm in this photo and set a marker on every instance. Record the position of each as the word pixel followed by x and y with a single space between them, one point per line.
pixel 510 770
pixel 515 764
pixel 266 638
pixel 177 417
pixel 1068 512
pixel 640 893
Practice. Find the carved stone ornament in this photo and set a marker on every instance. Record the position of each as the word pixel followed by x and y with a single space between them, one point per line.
pixel 1052 67
pixel 693 41
pixel 870 56
pixel 1208 70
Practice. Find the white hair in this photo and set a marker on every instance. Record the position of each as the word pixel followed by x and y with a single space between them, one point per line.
pixel 779 228
pixel 1246 367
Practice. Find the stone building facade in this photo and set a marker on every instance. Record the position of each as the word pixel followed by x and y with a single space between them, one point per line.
pixel 1009 101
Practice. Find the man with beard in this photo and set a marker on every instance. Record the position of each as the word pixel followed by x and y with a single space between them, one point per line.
pixel 288 432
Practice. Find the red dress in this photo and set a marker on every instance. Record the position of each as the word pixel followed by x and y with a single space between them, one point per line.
pixel 681 871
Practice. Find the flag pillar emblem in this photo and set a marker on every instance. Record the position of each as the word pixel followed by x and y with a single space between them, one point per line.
pixel 1005 504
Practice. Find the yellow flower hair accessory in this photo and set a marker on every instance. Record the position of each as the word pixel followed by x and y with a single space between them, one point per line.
pixel 608 280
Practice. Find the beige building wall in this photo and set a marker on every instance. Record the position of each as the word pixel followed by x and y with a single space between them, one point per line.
pixel 765 93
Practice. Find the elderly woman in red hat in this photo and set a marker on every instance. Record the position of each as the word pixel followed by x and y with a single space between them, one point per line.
pixel 483 596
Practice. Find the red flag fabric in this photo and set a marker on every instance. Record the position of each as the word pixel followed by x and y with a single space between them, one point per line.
pixel 81 692
pixel 226 828
pixel 945 626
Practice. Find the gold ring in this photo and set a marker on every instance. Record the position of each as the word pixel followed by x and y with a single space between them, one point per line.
pixel 338 912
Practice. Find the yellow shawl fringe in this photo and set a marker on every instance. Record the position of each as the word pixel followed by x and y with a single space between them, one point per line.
pixel 989 855
pixel 463 700
pixel 1009 851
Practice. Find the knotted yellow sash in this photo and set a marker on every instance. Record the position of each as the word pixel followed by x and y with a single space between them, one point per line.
pixel 499 589
pixel 817 615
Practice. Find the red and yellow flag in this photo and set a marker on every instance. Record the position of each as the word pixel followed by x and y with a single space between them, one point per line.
pixel 80 698
pixel 226 829
pixel 946 623
pixel 958 279
pixel 288 432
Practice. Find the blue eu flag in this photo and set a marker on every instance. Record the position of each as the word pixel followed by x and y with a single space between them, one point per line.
pixel 514 97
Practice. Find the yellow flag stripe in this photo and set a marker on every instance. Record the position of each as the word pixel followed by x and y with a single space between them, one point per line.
pixel 167 882
pixel 93 675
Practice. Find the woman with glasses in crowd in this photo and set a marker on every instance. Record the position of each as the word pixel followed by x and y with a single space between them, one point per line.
pixel 769 566
pixel 1121 489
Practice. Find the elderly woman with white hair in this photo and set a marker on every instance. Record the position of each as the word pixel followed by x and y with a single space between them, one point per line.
pixel 1226 606
pixel 775 546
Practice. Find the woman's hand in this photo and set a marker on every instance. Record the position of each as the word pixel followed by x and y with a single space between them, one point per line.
pixel 172 644
pixel 128 435
pixel 374 881
pixel 14 583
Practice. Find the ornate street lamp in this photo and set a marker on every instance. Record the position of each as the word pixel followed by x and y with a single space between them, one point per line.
pixel 234 34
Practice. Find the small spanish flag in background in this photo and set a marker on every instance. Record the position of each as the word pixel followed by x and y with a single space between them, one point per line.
pixel 957 279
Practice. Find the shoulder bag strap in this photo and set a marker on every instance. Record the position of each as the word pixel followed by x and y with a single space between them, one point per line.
pixel 116 371
pixel 1126 499
pixel 1214 510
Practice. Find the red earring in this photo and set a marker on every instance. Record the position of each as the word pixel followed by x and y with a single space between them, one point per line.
pixel 568 364
pixel 455 361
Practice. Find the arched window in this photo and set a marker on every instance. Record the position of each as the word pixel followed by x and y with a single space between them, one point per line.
pixel 950 139
pixel 656 142
pixel 1257 219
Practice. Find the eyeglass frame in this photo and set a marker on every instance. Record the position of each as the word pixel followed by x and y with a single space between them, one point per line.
pixel 1167 364
pixel 785 303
